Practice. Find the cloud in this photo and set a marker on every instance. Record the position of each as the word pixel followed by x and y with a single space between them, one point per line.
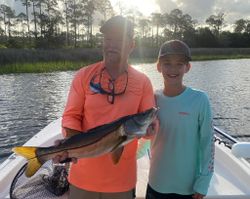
pixel 201 10
pixel 197 9
pixel 15 5
pixel 234 9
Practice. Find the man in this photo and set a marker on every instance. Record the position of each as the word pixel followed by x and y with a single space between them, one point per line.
pixel 99 94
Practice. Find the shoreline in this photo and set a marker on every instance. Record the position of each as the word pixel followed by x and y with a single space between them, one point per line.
pixel 14 61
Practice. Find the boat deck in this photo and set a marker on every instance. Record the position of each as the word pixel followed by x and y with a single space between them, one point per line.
pixel 231 179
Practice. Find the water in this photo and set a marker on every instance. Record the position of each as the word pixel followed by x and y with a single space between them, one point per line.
pixel 28 102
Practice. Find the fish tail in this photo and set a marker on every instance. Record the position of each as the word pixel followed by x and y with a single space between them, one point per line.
pixel 30 154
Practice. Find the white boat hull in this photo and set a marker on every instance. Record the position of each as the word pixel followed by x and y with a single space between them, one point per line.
pixel 231 179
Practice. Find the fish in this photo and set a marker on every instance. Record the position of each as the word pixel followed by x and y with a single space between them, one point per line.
pixel 107 138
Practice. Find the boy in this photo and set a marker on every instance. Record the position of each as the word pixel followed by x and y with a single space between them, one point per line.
pixel 183 149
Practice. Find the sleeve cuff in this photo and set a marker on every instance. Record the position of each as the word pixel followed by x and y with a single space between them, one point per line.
pixel 71 124
pixel 202 183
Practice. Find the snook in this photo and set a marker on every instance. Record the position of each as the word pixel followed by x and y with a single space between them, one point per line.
pixel 95 142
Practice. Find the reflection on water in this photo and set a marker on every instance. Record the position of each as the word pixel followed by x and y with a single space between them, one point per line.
pixel 28 102
pixel 228 85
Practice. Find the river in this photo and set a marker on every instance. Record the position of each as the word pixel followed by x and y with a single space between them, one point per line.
pixel 28 102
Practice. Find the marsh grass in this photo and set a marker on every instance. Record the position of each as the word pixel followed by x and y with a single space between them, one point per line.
pixel 219 53
pixel 42 67
pixel 218 57
pixel 39 61
pixel 14 56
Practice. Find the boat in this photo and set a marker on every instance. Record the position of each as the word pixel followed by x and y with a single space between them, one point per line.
pixel 231 179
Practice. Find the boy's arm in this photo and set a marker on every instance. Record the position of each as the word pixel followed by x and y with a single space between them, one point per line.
pixel 206 154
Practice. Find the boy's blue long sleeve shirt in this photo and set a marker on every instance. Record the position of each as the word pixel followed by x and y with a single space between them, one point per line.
pixel 183 150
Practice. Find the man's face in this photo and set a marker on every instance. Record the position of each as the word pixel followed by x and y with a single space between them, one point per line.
pixel 116 47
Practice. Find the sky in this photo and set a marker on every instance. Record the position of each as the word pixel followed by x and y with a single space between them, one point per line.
pixel 199 10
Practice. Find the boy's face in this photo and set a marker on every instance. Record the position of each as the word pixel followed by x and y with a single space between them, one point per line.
pixel 173 68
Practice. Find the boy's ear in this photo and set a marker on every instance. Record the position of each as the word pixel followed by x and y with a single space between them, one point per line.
pixel 159 67
pixel 188 67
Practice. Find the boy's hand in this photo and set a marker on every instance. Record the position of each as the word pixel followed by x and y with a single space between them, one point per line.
pixel 153 128
pixel 198 196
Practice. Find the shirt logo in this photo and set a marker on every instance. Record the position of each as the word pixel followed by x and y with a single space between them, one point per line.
pixel 183 113
pixel 95 88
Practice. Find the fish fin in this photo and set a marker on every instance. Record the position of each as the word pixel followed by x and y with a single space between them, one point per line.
pixel 116 155
pixel 26 151
pixel 33 166
pixel 30 154
pixel 116 152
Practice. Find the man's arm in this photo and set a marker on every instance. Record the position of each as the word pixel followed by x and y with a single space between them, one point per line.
pixel 147 99
pixel 70 132
pixel 72 115
pixel 74 109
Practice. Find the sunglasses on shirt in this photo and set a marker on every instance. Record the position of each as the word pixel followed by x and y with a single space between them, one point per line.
pixel 97 87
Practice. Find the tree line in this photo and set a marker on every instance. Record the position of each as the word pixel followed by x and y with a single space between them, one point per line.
pixel 70 24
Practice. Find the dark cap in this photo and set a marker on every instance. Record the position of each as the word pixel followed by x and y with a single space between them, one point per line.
pixel 175 47
pixel 120 24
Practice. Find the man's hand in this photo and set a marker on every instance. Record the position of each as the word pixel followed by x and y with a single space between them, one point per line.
pixel 198 196
pixel 64 156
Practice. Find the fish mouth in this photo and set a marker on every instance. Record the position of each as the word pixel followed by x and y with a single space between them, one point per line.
pixel 137 126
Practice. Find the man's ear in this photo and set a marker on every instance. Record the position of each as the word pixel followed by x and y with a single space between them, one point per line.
pixel 132 45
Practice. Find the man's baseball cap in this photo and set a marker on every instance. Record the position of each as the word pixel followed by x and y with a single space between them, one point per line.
pixel 120 24
pixel 175 47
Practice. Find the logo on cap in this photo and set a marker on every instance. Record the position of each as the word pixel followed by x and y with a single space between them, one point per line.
pixel 175 45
